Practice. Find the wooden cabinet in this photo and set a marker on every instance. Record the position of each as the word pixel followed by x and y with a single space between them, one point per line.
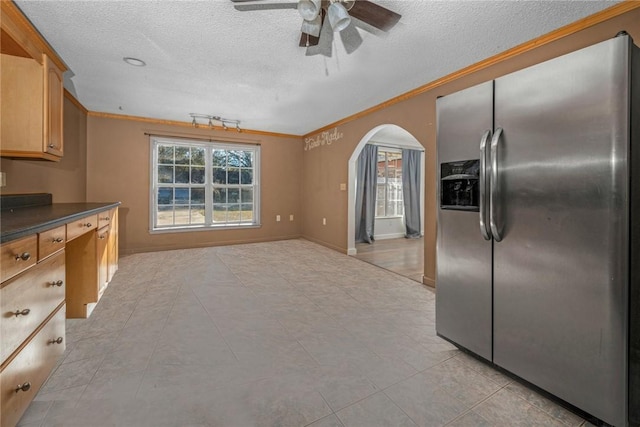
pixel 57 273
pixel 31 323
pixel 97 248
pixel 31 112
pixel 51 241
pixel 27 300
pixel 23 375
pixel 17 256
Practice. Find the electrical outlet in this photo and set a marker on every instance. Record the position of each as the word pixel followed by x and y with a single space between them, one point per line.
pixel 324 221
pixel 277 218
pixel 343 186
pixel 291 217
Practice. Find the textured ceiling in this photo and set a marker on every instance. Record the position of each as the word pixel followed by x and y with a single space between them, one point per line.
pixel 206 57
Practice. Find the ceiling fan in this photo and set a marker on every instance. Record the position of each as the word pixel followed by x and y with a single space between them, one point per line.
pixel 321 18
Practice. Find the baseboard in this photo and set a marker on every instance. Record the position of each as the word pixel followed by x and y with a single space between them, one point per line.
pixel 158 248
pixel 325 244
pixel 429 282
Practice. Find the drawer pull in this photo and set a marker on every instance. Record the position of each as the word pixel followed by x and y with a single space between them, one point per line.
pixel 106 218
pixel 87 225
pixel 57 283
pixel 23 312
pixel 56 341
pixel 58 240
pixel 24 387
pixel 102 236
pixel 25 256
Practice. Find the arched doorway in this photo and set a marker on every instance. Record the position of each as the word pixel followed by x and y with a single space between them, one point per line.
pixel 386 135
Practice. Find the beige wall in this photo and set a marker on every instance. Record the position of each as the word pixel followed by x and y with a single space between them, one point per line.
pixel 325 167
pixel 66 179
pixel 118 170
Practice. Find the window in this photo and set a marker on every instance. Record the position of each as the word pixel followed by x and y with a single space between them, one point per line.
pixel 389 192
pixel 203 185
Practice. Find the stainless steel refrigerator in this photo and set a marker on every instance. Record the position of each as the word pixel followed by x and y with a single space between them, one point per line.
pixel 537 225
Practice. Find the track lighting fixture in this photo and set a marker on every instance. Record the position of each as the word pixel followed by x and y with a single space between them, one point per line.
pixel 210 119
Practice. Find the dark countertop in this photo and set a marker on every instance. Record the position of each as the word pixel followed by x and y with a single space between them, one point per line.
pixel 21 222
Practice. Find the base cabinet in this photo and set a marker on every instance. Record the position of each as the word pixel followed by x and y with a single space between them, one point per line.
pixel 98 251
pixel 22 376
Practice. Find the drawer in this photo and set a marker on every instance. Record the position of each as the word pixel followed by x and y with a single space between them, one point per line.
pixel 17 256
pixel 35 294
pixel 31 367
pixel 104 218
pixel 81 226
pixel 51 241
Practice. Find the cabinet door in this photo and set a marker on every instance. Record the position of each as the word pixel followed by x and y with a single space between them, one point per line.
pixel 103 262
pixel 112 244
pixel 53 93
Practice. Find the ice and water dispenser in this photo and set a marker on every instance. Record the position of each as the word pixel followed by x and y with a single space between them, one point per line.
pixel 459 185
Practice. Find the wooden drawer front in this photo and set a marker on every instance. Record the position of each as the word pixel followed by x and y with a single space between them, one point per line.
pixel 17 256
pixel 51 241
pixel 39 290
pixel 31 366
pixel 81 226
pixel 104 218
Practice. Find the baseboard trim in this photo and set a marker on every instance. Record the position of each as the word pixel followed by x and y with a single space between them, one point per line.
pixel 428 281
pixel 325 244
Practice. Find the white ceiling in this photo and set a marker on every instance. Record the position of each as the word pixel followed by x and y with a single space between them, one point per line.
pixel 206 57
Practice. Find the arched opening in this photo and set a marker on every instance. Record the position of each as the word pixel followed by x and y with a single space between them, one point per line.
pixel 388 137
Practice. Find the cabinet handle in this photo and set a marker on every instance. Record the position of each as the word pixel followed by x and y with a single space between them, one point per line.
pixel 25 256
pixel 56 341
pixel 24 387
pixel 58 240
pixel 106 218
pixel 23 312
pixel 102 237
pixel 87 225
pixel 51 146
pixel 57 283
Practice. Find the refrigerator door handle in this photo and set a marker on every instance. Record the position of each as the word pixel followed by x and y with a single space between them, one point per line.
pixel 484 226
pixel 494 190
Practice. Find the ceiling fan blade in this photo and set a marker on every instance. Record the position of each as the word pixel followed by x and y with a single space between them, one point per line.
pixel 263 6
pixel 351 38
pixel 324 42
pixel 372 14
pixel 308 40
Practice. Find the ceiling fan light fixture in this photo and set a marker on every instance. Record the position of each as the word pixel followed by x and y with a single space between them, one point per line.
pixel 309 9
pixel 338 16
pixel 312 27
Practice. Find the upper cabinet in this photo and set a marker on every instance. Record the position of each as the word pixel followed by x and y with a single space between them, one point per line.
pixel 31 121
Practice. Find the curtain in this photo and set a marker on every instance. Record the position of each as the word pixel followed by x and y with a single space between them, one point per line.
pixel 366 193
pixel 411 192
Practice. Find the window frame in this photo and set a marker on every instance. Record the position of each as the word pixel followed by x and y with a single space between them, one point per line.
pixel 209 146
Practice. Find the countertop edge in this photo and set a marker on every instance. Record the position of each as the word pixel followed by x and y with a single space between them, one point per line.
pixel 44 226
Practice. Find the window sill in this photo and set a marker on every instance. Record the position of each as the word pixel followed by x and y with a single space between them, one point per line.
pixel 202 228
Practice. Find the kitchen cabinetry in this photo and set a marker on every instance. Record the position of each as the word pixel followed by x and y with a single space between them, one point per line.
pixel 98 250
pixel 31 114
pixel 52 267
pixel 32 303
pixel 32 98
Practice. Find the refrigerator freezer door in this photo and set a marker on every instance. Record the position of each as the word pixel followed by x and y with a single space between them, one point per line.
pixel 561 269
pixel 463 272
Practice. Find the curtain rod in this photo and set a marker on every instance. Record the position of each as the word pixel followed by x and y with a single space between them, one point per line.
pixel 398 147
pixel 200 138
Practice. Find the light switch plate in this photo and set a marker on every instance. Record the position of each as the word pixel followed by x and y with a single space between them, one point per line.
pixel 343 186
pixel 3 179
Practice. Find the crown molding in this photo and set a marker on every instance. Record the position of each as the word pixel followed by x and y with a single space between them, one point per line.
pixel 584 23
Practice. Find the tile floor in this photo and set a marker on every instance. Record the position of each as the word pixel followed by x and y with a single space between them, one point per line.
pixel 273 334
